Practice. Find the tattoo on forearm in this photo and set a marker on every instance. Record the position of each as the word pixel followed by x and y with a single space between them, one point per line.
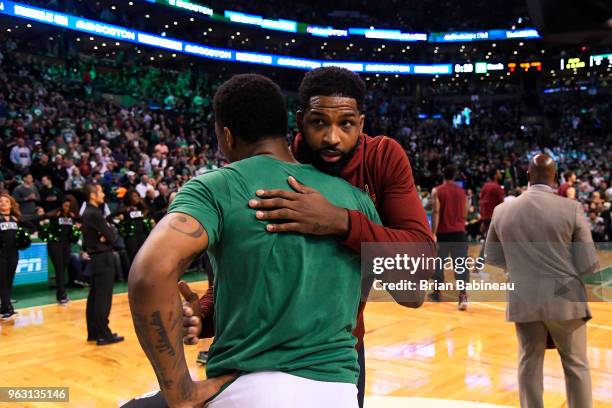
pixel 163 342
pixel 141 326
pixel 186 385
pixel 179 224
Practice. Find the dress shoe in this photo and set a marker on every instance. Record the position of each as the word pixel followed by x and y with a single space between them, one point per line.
pixel 95 338
pixel 107 341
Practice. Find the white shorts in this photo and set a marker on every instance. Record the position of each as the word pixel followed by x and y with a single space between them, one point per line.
pixel 274 389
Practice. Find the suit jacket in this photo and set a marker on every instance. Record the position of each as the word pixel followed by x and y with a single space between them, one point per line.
pixel 544 243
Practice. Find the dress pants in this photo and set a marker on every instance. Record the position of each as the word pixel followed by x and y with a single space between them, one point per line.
pixel 60 256
pixel 8 269
pixel 100 296
pixel 133 245
pixel 570 338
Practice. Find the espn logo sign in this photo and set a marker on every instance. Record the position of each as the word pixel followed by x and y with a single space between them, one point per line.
pixel 29 265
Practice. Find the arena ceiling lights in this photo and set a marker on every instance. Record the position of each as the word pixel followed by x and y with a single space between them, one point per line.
pixel 74 23
pixel 291 26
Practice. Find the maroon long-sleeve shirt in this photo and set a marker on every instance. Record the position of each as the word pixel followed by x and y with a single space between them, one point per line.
pixel 381 168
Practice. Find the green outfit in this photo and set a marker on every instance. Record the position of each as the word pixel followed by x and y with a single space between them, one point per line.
pixel 283 302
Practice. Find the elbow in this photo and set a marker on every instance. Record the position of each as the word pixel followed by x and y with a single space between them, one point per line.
pixel 138 281
pixel 413 304
pixel 412 299
pixel 142 277
pixel 148 272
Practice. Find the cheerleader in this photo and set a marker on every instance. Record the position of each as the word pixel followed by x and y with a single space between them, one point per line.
pixel 12 239
pixel 134 225
pixel 60 231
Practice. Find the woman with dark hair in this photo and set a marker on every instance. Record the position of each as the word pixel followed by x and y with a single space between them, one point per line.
pixel 12 239
pixel 60 230
pixel 135 225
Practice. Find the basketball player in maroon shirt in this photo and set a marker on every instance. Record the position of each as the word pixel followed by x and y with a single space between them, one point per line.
pixel 491 195
pixel 567 189
pixel 450 208
pixel 331 139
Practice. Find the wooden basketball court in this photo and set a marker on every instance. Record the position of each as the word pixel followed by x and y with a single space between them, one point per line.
pixel 435 356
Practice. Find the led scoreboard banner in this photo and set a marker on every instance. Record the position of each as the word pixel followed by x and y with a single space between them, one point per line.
pixel 490 35
pixel 84 25
pixel 600 60
pixel 291 26
pixel 572 63
pixel 525 66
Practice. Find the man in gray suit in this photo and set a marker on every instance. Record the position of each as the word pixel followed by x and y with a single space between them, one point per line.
pixel 543 242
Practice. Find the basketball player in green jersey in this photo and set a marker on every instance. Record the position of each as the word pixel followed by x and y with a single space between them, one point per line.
pixel 285 304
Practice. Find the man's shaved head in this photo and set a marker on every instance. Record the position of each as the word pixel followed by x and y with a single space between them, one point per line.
pixel 542 170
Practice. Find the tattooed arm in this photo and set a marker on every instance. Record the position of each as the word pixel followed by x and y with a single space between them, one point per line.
pixel 157 309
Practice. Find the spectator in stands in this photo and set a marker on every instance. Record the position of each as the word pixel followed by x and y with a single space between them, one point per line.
pixel 7 177
pixel 27 196
pixel 21 154
pixel 59 174
pixel 50 195
pixel 598 227
pixel 41 167
pixel 143 186
pixel 76 181
pixel 130 180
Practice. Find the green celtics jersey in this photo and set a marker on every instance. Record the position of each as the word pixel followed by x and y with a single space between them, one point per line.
pixel 283 301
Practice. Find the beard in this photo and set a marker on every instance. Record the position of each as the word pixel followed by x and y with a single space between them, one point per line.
pixel 333 169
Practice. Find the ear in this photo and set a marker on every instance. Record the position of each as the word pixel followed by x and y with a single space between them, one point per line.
pixel 361 122
pixel 299 115
pixel 230 140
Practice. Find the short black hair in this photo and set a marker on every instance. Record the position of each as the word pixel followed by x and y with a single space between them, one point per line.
pixel 88 190
pixel 332 81
pixel 568 174
pixel 492 173
pixel 449 172
pixel 252 107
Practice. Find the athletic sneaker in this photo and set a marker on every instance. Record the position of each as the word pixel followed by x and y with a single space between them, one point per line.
pixel 463 302
pixel 63 301
pixel 9 315
pixel 202 357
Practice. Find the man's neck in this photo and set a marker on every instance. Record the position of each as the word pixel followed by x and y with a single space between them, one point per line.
pixel 93 204
pixel 542 183
pixel 449 181
pixel 275 147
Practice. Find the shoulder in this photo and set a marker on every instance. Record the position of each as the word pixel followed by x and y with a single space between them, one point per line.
pixel 383 147
pixel 387 159
pixel 210 177
pixel 87 213
pixel 501 208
